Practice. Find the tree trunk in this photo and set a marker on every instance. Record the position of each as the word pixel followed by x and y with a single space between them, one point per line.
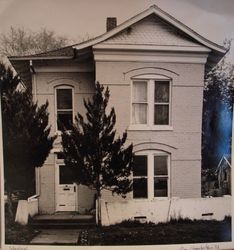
pixel 99 207
pixel 10 206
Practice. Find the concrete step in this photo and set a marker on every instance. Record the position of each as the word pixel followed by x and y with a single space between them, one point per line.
pixel 66 221
pixel 62 225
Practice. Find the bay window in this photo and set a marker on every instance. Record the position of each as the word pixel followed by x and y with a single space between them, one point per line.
pixel 151 103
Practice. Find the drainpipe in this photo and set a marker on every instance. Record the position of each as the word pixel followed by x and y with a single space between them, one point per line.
pixel 37 170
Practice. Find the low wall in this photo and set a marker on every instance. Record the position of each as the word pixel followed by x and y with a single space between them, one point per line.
pixel 33 207
pixel 164 210
pixel 25 209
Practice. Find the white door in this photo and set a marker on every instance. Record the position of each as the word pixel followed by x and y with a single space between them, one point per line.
pixel 66 190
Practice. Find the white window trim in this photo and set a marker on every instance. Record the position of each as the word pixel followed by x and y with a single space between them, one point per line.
pixel 150 174
pixel 151 78
pixel 58 132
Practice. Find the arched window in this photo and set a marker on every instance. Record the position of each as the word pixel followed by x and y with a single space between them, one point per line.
pixel 64 107
pixel 151 171
pixel 151 101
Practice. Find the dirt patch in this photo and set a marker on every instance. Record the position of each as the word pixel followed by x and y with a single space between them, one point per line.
pixel 16 233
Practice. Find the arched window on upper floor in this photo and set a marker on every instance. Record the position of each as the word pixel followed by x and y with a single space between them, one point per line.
pixel 64 106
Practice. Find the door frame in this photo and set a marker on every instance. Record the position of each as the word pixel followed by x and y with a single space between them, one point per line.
pixel 59 162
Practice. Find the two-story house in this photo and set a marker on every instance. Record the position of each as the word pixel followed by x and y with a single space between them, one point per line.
pixel 154 66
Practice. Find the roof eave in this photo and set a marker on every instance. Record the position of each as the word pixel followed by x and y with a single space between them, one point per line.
pixel 214 58
pixel 24 58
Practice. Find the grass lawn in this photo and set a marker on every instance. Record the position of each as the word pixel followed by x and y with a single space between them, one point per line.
pixel 175 232
pixel 134 233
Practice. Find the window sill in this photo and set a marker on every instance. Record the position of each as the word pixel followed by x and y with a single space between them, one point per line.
pixel 160 198
pixel 150 128
pixel 155 199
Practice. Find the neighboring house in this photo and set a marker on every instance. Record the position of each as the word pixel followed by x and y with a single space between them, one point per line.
pixel 154 66
pixel 224 175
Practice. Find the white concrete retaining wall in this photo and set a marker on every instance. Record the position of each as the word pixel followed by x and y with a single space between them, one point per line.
pixel 33 207
pixel 164 210
pixel 25 209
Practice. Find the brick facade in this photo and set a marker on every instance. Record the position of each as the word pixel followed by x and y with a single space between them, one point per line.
pixel 115 69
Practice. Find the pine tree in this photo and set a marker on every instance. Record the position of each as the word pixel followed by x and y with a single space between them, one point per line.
pixel 26 139
pixel 98 159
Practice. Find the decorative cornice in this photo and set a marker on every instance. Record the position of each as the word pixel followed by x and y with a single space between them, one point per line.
pixel 169 57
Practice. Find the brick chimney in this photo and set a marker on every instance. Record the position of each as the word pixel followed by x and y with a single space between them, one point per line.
pixel 111 23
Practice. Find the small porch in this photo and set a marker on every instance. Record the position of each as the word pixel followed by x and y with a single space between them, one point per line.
pixel 28 213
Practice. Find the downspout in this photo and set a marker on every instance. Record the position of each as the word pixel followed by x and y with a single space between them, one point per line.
pixel 37 170
pixel 34 83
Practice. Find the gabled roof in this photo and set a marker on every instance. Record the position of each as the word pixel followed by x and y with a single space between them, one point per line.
pixel 84 49
pixel 225 159
pixel 68 51
pixel 162 14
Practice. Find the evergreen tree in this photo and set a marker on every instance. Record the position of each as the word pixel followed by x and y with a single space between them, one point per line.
pixel 98 159
pixel 26 139
pixel 217 114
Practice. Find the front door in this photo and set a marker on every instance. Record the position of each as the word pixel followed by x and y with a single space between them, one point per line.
pixel 66 189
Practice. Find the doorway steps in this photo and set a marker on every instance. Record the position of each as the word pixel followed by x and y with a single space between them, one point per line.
pixel 62 221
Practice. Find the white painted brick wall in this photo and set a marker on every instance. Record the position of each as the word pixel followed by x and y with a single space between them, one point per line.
pixel 47 189
pixel 186 118
pixel 187 95
pixel 83 87
pixel 86 199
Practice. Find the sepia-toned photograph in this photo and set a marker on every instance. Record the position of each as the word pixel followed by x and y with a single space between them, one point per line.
pixel 116 123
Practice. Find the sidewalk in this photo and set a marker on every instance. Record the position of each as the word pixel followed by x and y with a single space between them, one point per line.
pixel 61 237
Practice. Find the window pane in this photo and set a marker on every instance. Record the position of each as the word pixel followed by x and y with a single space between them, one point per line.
pixel 140 165
pixel 139 91
pixel 65 175
pixel 161 91
pixel 139 113
pixel 160 187
pixel 160 165
pixel 140 188
pixel 64 98
pixel 64 118
pixel 161 114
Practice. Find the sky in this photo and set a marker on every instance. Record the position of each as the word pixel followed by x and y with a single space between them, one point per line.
pixel 79 19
